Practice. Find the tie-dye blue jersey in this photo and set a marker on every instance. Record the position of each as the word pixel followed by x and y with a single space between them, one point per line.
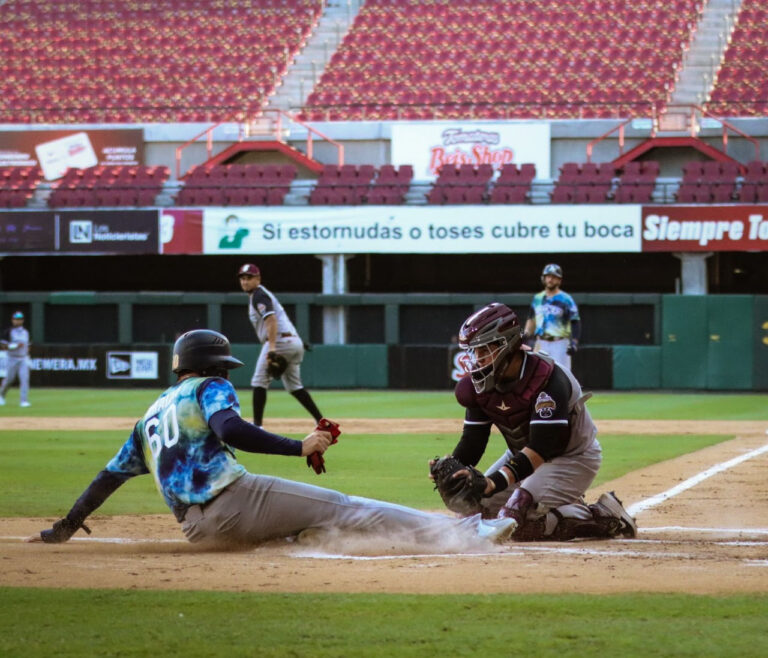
pixel 554 314
pixel 172 441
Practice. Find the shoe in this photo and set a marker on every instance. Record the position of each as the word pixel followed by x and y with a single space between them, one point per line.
pixel 24 404
pixel 2 400
pixel 496 530
pixel 628 525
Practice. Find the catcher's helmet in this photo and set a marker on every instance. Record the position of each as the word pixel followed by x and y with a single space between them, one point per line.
pixel 202 349
pixel 496 328
pixel 553 269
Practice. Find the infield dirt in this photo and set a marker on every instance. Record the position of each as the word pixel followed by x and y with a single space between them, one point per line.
pixel 710 539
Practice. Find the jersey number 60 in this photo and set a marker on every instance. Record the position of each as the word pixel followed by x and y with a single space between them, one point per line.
pixel 165 436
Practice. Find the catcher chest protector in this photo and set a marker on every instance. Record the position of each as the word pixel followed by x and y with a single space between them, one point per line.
pixel 202 349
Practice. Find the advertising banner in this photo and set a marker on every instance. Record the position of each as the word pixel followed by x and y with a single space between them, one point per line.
pixel 80 231
pixel 705 228
pixel 57 150
pixel 99 365
pixel 424 229
pixel 181 231
pixel 32 231
pixel 110 232
pixel 428 145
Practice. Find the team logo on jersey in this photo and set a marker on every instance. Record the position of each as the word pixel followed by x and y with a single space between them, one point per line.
pixel 261 308
pixel 545 405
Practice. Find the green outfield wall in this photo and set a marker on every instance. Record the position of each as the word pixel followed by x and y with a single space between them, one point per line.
pixel 407 341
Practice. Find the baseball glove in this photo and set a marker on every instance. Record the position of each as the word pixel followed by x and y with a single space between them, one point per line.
pixel 276 365
pixel 460 494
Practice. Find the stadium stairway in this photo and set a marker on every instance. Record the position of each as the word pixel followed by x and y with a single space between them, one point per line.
pixel 705 55
pixel 309 64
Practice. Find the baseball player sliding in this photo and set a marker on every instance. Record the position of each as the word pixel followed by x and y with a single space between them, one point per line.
pixel 552 453
pixel 282 349
pixel 187 440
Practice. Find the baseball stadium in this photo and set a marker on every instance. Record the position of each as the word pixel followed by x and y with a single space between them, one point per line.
pixel 523 235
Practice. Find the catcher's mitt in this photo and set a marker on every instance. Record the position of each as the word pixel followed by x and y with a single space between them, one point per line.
pixel 460 494
pixel 276 365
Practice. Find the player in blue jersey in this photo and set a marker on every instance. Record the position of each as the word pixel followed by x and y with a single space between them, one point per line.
pixel 553 319
pixel 187 439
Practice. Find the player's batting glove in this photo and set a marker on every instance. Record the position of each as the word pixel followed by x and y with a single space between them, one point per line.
pixel 573 347
pixel 315 460
pixel 62 530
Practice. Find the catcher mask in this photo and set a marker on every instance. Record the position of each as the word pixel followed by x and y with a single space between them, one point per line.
pixel 490 338
pixel 201 350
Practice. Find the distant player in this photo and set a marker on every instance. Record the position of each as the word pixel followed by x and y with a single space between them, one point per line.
pixel 553 319
pixel 16 341
pixel 187 439
pixel 282 348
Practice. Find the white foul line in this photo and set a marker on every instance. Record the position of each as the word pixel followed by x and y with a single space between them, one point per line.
pixel 693 481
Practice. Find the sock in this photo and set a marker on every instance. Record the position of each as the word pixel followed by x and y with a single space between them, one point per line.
pixel 303 396
pixel 259 402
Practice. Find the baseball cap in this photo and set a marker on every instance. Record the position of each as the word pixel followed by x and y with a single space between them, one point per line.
pixel 18 315
pixel 250 269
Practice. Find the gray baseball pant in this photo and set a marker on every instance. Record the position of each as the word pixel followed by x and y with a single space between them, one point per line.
pixel 17 367
pixel 256 508
pixel 557 484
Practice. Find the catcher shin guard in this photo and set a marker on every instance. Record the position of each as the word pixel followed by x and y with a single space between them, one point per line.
pixel 517 506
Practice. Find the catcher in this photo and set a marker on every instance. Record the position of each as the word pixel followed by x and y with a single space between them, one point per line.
pixel 553 454
pixel 282 349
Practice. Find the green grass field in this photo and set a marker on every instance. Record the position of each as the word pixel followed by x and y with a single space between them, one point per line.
pixel 44 471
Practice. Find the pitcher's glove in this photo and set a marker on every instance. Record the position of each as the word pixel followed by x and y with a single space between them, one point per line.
pixel 460 494
pixel 276 365
pixel 62 530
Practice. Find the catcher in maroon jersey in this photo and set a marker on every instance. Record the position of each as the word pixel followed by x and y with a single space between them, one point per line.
pixel 552 453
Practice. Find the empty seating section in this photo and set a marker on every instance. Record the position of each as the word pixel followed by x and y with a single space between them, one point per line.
pixel 119 185
pixel 342 185
pixel 741 88
pixel 357 184
pixel 637 181
pixel 391 185
pixel 754 186
pixel 237 185
pixel 408 59
pixel 588 182
pixel 79 61
pixel 17 185
pixel 708 182
pixel 513 184
pixel 465 183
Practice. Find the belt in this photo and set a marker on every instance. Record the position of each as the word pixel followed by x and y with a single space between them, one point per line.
pixel 286 335
pixel 551 338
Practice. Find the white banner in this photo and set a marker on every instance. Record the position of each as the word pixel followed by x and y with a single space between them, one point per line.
pixel 428 145
pixel 424 229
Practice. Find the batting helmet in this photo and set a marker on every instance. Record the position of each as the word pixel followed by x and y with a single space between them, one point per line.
pixel 202 349
pixel 496 329
pixel 553 269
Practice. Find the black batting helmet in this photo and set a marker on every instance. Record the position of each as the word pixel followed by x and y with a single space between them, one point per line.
pixel 552 268
pixel 202 349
